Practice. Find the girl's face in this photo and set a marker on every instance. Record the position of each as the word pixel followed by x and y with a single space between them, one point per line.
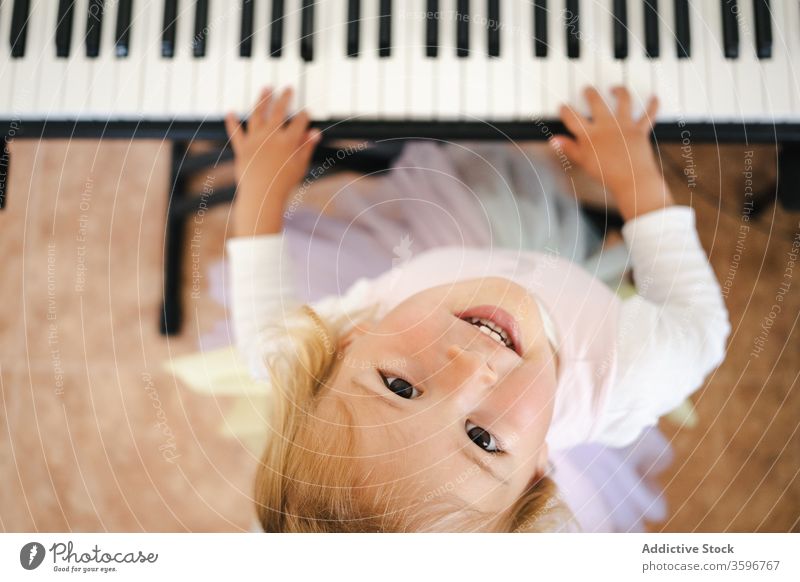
pixel 439 402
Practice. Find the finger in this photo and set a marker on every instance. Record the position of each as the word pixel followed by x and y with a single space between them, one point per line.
pixel 573 121
pixel 235 131
pixel 280 108
pixel 597 105
pixel 566 145
pixel 624 110
pixel 649 118
pixel 298 124
pixel 259 116
pixel 312 138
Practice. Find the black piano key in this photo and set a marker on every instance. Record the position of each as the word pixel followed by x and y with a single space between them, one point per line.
pixel 307 31
pixel 620 17
pixel 122 40
pixel 19 28
pixel 168 29
pixel 540 28
pixel 493 22
pixel 200 28
pixel 683 34
pixel 652 43
pixel 246 30
pixel 462 28
pixel 385 29
pixel 763 29
pixel 353 24
pixel 276 29
pixel 432 29
pixel 64 27
pixel 730 28
pixel 572 21
pixel 94 26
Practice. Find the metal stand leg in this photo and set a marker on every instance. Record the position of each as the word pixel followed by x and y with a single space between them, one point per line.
pixel 170 323
pixel 788 186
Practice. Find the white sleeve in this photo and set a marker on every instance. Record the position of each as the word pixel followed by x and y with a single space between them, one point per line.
pixel 261 292
pixel 672 333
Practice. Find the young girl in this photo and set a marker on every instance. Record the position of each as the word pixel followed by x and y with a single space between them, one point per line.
pixel 432 396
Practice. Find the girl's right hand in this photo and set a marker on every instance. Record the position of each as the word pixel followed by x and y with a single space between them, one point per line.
pixel 614 148
pixel 271 158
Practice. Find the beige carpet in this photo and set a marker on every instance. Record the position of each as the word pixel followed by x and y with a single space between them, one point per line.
pixel 95 436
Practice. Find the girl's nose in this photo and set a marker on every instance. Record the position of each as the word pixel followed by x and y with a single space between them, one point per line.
pixel 469 365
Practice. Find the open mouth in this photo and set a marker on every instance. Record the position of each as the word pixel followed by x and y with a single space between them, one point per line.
pixel 495 323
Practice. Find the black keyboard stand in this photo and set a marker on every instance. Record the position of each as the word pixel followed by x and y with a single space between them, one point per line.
pixel 787 187
pixel 183 204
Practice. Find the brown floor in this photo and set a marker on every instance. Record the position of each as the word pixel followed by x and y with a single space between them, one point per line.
pixel 95 436
pixel 738 469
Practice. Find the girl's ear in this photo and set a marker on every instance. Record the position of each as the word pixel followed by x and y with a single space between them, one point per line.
pixel 543 468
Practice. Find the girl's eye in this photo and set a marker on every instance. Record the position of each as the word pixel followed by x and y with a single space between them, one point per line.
pixel 482 438
pixel 400 387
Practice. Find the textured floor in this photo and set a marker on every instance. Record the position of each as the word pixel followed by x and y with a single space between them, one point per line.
pixel 94 435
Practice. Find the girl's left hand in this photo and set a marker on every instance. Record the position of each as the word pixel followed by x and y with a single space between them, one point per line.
pixel 271 158
pixel 613 146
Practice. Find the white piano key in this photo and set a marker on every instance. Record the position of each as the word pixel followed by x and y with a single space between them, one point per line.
pixel 247 65
pixel 6 104
pixel 104 68
pixel 49 97
pixel 528 70
pixel 317 70
pixel 610 72
pixel 695 96
pixel 502 70
pixel 638 68
pixel 749 79
pixel 155 88
pixel 25 70
pixel 289 67
pixel 449 100
pixel 720 79
pixel 182 93
pixel 367 88
pixel 208 72
pixel 582 70
pixel 395 89
pixel 420 66
pixel 557 66
pixel 79 68
pixel 261 67
pixel 792 42
pixel 341 68
pixel 776 70
pixel 132 76
pixel 666 79
pixel 474 68
pixel 234 69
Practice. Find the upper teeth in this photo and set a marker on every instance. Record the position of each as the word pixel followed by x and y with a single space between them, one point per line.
pixel 491 329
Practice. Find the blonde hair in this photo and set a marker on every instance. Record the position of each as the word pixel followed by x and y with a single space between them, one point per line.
pixel 308 482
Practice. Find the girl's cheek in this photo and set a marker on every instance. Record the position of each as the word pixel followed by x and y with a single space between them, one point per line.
pixel 529 405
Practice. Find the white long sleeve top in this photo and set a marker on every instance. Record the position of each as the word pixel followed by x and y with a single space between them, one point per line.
pixel 622 363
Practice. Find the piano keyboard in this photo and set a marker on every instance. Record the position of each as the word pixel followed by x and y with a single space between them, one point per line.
pixel 423 60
